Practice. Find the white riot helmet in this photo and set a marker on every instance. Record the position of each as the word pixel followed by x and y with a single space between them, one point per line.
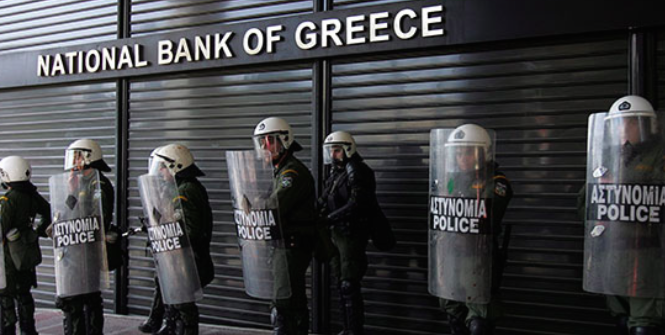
pixel 271 130
pixel 85 153
pixel 338 140
pixel 14 169
pixel 176 158
pixel 633 118
pixel 469 139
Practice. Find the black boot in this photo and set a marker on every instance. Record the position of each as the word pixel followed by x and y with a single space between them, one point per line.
pixel 154 321
pixel 182 329
pixel 278 322
pixel 26 314
pixel 479 326
pixel 457 326
pixel 168 322
pixel 622 325
pixel 644 331
pixel 353 307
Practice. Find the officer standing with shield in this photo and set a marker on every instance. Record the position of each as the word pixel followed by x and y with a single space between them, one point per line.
pixel 349 203
pixel 82 210
pixel 180 231
pixel 623 206
pixel 295 194
pixel 468 198
pixel 19 208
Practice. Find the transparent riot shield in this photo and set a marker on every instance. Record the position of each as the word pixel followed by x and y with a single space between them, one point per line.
pixel 256 215
pixel 460 208
pixel 165 223
pixel 79 246
pixel 625 200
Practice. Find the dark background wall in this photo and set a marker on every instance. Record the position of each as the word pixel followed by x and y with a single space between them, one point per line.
pixel 536 94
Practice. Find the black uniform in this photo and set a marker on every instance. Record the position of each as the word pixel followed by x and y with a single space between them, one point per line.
pixel 349 203
pixel 18 210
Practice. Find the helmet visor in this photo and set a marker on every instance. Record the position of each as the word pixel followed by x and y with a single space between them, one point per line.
pixel 632 129
pixel 268 142
pixel 332 153
pixel 463 158
pixel 159 166
pixel 75 159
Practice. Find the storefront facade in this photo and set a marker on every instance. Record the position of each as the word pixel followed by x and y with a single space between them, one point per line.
pixel 532 72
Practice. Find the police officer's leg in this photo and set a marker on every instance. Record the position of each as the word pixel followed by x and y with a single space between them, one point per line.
pixel 8 311
pixel 74 316
pixel 619 309
pixel 94 312
pixel 646 316
pixel 26 304
pixel 353 265
pixel 282 287
pixel 299 310
pixel 456 313
pixel 188 320
pixel 154 321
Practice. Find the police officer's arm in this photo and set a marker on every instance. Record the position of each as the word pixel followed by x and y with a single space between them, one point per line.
pixel 108 198
pixel 291 191
pixel 7 211
pixel 44 210
pixel 361 182
pixel 191 202
pixel 503 192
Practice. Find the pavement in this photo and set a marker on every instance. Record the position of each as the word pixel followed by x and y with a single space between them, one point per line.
pixel 49 322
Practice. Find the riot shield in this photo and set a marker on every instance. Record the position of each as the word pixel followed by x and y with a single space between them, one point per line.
pixel 256 215
pixel 79 246
pixel 171 249
pixel 625 199
pixel 460 228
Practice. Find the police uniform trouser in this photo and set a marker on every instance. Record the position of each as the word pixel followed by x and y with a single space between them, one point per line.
pixel 20 294
pixel 350 261
pixel 641 312
pixel 463 311
pixel 84 314
pixel 294 309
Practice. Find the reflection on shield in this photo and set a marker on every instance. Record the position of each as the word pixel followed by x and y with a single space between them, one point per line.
pixel 171 249
pixel 78 233
pixel 460 232
pixel 625 204
pixel 256 215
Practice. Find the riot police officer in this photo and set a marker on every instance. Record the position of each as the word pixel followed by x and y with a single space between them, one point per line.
pixel 294 190
pixel 349 203
pixel 176 161
pixel 468 199
pixel 19 208
pixel 84 161
pixel 623 254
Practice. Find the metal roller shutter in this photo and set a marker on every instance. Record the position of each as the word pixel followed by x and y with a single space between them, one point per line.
pixel 150 16
pixel 211 114
pixel 26 25
pixel 537 98
pixel 661 71
pixel 39 124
